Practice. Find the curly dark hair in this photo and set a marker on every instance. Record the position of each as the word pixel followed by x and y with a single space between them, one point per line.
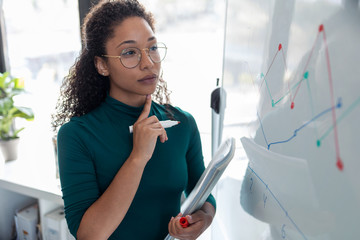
pixel 84 89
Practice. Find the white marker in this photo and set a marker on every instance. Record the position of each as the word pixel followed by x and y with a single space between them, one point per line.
pixel 165 124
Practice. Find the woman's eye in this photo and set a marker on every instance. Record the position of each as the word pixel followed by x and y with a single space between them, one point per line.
pixel 129 53
pixel 153 48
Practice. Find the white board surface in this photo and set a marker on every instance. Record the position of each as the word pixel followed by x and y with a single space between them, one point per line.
pixel 292 78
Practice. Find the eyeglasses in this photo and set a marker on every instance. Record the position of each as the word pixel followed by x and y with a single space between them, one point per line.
pixel 131 57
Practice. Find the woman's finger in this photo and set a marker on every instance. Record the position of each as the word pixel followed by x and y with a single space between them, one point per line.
pixel 147 106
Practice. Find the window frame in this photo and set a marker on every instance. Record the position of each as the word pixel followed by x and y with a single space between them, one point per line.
pixel 4 58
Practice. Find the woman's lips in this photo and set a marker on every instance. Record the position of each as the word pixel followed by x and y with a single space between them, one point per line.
pixel 150 79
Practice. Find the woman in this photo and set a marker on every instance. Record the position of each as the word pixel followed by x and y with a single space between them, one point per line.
pixel 117 184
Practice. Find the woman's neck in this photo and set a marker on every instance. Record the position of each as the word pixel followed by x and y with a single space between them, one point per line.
pixel 134 100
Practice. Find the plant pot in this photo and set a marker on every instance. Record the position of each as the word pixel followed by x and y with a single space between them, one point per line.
pixel 9 149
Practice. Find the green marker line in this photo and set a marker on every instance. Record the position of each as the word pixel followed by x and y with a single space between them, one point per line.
pixel 280 99
pixel 346 112
pixel 267 86
pixel 288 92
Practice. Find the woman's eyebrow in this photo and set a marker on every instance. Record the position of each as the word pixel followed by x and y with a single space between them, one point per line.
pixel 126 42
pixel 133 41
pixel 151 38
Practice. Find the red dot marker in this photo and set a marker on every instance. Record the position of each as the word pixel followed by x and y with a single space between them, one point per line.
pixel 184 222
pixel 280 46
pixel 340 164
pixel 321 28
pixel 292 105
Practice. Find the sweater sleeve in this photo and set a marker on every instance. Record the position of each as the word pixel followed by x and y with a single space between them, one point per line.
pixel 195 159
pixel 77 174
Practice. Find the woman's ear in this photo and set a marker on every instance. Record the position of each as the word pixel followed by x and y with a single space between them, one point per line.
pixel 101 66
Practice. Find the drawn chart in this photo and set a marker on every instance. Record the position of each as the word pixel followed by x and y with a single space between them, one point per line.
pixel 296 88
pixel 301 139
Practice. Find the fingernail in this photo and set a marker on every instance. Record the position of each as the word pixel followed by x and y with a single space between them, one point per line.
pixel 148 96
pixel 172 218
pixel 189 217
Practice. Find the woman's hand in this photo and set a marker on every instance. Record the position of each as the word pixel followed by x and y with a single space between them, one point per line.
pixel 199 222
pixel 146 130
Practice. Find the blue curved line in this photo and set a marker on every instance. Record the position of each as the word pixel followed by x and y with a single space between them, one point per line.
pixel 305 124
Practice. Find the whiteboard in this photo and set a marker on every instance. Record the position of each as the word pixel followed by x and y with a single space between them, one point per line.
pixel 292 80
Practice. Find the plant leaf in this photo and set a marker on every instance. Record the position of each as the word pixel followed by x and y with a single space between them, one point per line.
pixel 23 112
pixel 3 78
pixel 10 87
pixel 19 83
pixel 5 105
pixel 15 135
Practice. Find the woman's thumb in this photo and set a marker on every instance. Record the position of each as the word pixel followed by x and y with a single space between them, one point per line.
pixel 189 219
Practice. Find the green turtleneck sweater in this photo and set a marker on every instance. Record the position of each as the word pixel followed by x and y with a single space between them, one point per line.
pixel 93 147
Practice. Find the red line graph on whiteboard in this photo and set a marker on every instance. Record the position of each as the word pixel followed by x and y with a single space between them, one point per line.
pixel 273 102
pixel 321 32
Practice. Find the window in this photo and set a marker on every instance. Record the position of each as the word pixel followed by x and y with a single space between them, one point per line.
pixel 44 42
pixel 43 39
pixel 193 32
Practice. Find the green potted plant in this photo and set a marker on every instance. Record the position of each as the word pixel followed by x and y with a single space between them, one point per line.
pixel 10 87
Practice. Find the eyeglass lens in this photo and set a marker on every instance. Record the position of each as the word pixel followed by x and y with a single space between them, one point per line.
pixel 130 57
